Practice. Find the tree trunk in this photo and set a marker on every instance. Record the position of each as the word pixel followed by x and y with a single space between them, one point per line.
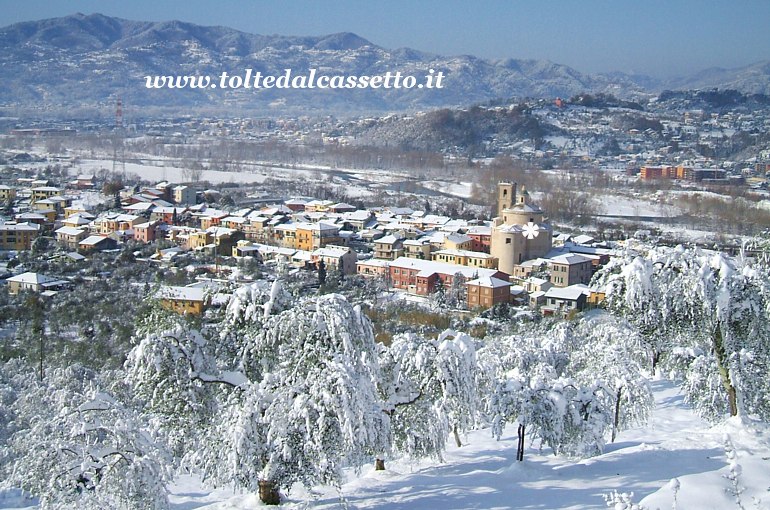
pixel 268 492
pixel 520 448
pixel 732 400
pixel 616 423
pixel 379 464
pixel 655 360
pixel 724 371
pixel 457 436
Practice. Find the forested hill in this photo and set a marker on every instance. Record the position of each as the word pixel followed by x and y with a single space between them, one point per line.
pixel 84 61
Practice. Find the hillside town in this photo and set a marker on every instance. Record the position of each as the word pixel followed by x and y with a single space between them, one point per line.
pixel 419 255
pixel 513 258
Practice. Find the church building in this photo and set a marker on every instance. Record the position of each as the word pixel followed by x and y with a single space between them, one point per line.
pixel 519 231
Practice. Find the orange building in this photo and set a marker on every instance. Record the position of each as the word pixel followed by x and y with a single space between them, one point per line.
pixel 666 172
pixel 311 236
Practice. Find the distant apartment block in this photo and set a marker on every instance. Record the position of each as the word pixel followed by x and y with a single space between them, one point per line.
pixel 682 173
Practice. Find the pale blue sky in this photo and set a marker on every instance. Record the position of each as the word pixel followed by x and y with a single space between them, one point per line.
pixel 660 38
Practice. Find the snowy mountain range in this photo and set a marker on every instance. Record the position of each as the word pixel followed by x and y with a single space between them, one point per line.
pixel 87 61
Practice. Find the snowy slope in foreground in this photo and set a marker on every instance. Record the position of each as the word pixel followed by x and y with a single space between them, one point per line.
pixel 484 474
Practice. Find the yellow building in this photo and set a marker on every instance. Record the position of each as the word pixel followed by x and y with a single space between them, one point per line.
pixel 43 192
pixel 311 236
pixel 595 298
pixel 49 215
pixel 184 300
pixel 285 235
pixel 212 219
pixel 318 205
pixel 234 222
pixel 34 282
pixel 465 258
pixel 417 249
pixel 388 247
pixel 70 236
pixel 76 209
pixel 199 239
pixel 7 193
pixel 259 228
pixel 118 222
pixel 17 236
pixel 457 242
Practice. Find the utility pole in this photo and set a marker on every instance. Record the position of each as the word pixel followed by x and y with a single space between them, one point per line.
pixel 216 251
pixel 41 356
pixel 118 155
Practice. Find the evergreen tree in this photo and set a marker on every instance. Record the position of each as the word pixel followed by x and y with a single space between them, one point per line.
pixel 321 273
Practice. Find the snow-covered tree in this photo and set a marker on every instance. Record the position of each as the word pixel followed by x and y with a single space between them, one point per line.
pixel 735 307
pixel 650 288
pixel 174 379
pixel 560 383
pixel 410 392
pixel 456 295
pixel 707 314
pixel 246 313
pixel 438 298
pixel 456 364
pixel 255 302
pixel 613 355
pixel 429 390
pixel 80 448
pixel 310 406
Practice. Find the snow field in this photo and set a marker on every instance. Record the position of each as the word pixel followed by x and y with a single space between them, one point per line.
pixel 483 474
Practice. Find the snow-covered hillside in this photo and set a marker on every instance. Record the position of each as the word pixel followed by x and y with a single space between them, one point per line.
pixel 676 445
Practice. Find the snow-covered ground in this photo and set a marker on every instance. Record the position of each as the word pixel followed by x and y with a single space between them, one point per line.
pixel 623 205
pixel 676 444
pixel 457 189
pixel 172 174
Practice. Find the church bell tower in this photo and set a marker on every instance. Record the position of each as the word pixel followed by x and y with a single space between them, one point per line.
pixel 506 196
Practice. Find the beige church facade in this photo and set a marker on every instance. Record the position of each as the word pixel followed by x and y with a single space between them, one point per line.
pixel 519 231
